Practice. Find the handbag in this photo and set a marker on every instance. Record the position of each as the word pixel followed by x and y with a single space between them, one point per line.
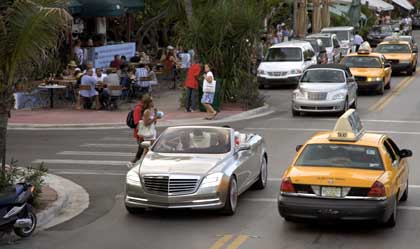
pixel 209 87
pixel 145 131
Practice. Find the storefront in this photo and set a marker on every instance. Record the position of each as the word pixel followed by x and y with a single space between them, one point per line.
pixel 91 19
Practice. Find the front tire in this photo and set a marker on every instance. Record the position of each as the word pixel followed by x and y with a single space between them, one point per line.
pixel 346 106
pixel 354 105
pixel 295 113
pixel 231 198
pixel 262 178
pixel 26 232
pixel 381 90
pixel 410 72
pixel 388 86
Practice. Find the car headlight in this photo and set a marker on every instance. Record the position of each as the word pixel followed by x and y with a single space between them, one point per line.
pixel 297 94
pixel 133 178
pixel 339 96
pixel 295 71
pixel 212 180
pixel 260 72
pixel 405 61
pixel 374 79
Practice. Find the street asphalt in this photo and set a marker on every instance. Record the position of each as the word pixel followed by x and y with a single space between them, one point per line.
pixel 96 161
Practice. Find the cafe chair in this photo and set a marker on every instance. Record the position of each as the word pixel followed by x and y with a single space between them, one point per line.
pixel 86 102
pixel 113 98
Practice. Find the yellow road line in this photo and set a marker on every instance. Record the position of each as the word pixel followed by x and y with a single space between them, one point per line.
pixel 222 241
pixel 390 95
pixel 407 83
pixel 238 242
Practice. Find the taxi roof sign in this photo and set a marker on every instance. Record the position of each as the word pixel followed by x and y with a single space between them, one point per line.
pixel 364 48
pixel 347 128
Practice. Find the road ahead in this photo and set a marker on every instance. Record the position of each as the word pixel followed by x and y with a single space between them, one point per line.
pixel 96 161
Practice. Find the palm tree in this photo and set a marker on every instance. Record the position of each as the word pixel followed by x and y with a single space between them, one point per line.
pixel 29 31
pixel 188 9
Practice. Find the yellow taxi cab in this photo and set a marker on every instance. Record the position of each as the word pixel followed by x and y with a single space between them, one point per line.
pixel 400 54
pixel 345 174
pixel 371 71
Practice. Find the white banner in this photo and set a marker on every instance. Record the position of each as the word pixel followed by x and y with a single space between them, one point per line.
pixel 102 56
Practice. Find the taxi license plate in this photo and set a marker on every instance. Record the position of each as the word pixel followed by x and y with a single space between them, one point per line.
pixel 331 192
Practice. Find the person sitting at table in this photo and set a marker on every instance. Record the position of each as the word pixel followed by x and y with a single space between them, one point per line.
pixel 136 58
pixel 144 57
pixel 100 76
pixel 89 65
pixel 85 95
pixel 141 83
pixel 116 63
pixel 71 69
pixel 151 73
pixel 112 79
pixel 124 63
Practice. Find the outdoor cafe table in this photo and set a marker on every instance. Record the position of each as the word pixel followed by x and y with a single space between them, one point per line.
pixel 51 88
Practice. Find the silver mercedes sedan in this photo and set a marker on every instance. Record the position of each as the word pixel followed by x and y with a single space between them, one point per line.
pixel 325 88
pixel 197 167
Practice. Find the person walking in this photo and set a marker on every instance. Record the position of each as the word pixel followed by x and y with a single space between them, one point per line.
pixel 137 116
pixel 358 40
pixel 209 88
pixel 191 86
pixel 147 128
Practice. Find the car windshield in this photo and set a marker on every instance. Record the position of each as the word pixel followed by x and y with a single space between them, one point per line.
pixel 284 54
pixel 340 155
pixel 326 41
pixel 341 35
pixel 323 76
pixel 194 140
pixel 314 45
pixel 382 29
pixel 362 62
pixel 393 48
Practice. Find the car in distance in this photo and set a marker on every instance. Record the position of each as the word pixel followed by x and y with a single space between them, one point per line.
pixel 320 51
pixel 400 54
pixel 408 38
pixel 371 71
pixel 285 62
pixel 345 174
pixel 325 88
pixel 377 34
pixel 345 35
pixel 331 44
pixel 197 167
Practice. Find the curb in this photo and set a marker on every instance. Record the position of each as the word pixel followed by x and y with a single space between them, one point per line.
pixel 72 200
pixel 250 114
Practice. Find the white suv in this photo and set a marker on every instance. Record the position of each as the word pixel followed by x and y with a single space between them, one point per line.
pixel 285 63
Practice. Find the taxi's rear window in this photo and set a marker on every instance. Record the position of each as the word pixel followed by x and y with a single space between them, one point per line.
pixel 340 155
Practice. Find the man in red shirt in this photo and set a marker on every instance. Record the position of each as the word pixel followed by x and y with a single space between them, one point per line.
pixel 137 116
pixel 116 63
pixel 191 85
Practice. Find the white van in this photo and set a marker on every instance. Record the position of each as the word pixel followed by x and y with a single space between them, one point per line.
pixel 285 63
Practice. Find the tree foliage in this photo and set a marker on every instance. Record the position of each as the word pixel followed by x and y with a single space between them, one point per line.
pixel 224 34
pixel 30 31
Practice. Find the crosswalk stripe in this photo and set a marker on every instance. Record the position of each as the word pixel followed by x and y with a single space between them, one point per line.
pixel 96 173
pixel 80 162
pixel 96 153
pixel 108 145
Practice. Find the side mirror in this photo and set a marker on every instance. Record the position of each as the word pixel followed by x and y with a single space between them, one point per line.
pixel 146 144
pixel 387 64
pixel 308 58
pixel 415 50
pixel 406 153
pixel 298 147
pixel 243 147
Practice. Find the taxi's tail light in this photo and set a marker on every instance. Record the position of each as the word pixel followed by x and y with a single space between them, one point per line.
pixel 287 185
pixel 377 190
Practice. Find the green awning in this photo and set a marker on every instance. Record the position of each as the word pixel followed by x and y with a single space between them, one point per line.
pixel 133 5
pixel 93 8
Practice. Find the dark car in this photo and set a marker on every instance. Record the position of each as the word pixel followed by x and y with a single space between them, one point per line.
pixel 378 33
pixel 320 51
pixel 416 22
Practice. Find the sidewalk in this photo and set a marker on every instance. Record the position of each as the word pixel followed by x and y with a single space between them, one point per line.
pixel 166 101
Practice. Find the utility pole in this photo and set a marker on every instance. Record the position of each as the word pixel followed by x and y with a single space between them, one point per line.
pixel 295 21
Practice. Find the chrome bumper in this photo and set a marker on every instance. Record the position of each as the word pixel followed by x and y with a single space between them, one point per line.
pixel 318 105
pixel 207 198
